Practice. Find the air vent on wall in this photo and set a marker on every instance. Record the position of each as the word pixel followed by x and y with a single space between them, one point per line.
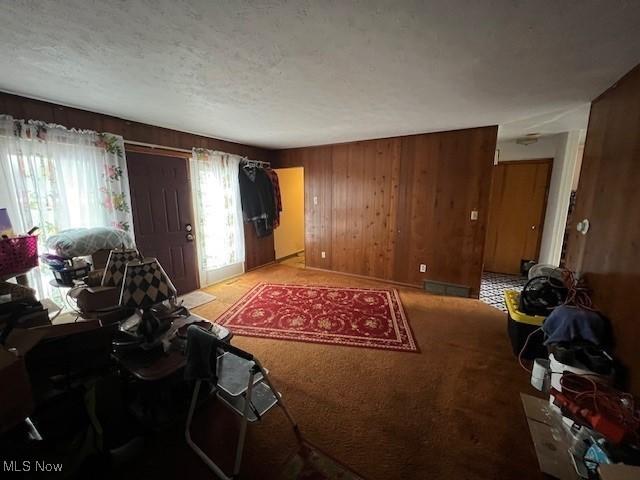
pixel 447 289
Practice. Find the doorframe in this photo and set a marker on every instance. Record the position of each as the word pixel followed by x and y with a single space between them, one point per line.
pixel 168 152
pixel 533 161
pixel 304 214
pixel 161 151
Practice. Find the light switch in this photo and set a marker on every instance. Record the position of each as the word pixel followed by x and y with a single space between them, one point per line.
pixel 323 254
pixel 315 200
pixel 474 214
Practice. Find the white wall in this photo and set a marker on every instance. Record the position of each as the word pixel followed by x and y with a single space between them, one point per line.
pixel 545 147
pixel 577 167
pixel 564 149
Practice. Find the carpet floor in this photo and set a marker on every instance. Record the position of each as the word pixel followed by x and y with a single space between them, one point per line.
pixel 451 411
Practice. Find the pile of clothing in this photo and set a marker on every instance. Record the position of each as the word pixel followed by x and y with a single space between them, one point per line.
pixel 260 195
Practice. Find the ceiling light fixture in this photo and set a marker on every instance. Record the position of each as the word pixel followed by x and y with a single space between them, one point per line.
pixel 528 139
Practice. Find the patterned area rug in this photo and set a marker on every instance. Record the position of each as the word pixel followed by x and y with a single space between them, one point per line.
pixel 359 317
pixel 493 286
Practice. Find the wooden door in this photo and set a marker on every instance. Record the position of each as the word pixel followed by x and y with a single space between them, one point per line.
pixel 162 208
pixel 516 214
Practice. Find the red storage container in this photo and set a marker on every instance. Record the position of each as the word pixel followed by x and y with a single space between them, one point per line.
pixel 18 254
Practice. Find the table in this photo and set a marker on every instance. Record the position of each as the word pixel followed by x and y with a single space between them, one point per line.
pixel 154 365
pixel 20 276
pixel 162 394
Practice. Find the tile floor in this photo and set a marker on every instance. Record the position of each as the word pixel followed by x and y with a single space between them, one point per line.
pixel 493 286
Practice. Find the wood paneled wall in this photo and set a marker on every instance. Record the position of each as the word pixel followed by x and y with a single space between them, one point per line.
pixel 380 208
pixel 609 196
pixel 30 109
pixel 259 251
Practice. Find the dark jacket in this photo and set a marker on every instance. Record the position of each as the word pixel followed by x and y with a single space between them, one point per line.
pixel 258 202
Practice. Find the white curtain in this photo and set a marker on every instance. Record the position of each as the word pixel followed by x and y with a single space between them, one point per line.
pixel 219 231
pixel 56 178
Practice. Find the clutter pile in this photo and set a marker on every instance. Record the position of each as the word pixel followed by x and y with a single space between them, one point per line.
pixel 554 323
pixel 71 253
pixel 72 395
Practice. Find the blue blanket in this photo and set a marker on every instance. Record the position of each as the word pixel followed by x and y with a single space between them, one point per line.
pixel 568 324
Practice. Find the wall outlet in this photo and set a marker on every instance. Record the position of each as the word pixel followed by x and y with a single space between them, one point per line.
pixel 315 200
pixel 474 214
pixel 423 267
pixel 323 254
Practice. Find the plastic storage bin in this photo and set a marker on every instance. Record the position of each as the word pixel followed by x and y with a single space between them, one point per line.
pixel 67 275
pixel 520 325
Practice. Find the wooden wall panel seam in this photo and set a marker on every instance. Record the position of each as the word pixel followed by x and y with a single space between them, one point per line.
pixel 435 182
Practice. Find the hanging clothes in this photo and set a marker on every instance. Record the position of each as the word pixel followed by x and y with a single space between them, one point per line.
pixel 258 202
pixel 273 177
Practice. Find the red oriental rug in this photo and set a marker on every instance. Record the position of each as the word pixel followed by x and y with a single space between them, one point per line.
pixel 358 317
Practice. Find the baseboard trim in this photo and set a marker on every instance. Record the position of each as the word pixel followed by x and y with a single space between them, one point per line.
pixel 286 257
pixel 366 277
pixel 272 262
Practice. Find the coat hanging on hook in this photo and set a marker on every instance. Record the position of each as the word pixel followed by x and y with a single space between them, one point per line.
pixel 259 199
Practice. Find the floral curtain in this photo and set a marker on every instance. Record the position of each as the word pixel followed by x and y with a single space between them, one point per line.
pixel 218 210
pixel 65 178
pixel 56 178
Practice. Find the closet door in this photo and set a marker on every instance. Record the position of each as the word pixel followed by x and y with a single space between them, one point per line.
pixel 516 214
pixel 162 213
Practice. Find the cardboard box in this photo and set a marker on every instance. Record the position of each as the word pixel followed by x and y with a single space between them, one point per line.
pixel 549 439
pixel 17 400
pixel 619 472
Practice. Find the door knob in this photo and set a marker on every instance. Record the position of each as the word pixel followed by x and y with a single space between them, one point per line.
pixel 583 226
pixel 533 227
pixel 189 237
pixel 188 227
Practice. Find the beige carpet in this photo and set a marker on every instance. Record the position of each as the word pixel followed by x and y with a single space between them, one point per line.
pixel 450 412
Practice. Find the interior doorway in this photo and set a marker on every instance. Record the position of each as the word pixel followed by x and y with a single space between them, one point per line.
pixel 516 214
pixel 517 209
pixel 288 238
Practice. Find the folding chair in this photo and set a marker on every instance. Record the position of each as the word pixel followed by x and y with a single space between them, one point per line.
pixel 242 385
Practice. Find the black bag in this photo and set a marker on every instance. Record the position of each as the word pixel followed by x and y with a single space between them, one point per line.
pixel 541 295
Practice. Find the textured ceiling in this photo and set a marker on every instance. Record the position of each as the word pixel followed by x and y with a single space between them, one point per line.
pixel 281 74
